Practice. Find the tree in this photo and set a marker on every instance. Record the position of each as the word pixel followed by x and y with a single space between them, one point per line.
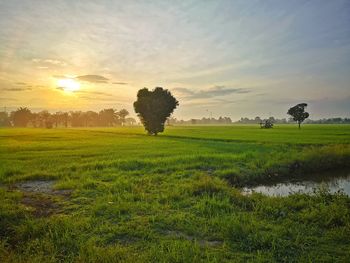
pixel 298 113
pixel 45 119
pixel 76 119
pixel 154 107
pixel 266 124
pixel 4 119
pixel 122 115
pixel 90 118
pixel 108 117
pixel 130 121
pixel 21 117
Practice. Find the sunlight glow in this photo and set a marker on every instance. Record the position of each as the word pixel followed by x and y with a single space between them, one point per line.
pixel 69 85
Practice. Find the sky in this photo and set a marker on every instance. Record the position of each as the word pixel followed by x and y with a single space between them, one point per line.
pixel 219 58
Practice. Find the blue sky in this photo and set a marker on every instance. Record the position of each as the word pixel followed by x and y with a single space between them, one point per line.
pixel 231 58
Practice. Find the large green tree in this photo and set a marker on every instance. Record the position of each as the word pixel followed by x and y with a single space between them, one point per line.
pixel 298 113
pixel 154 107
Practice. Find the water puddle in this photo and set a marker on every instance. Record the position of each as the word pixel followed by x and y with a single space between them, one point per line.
pixel 334 181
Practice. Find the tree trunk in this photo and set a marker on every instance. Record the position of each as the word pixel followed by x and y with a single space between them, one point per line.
pixel 299 124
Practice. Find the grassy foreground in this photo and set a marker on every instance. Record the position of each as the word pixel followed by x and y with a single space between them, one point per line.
pixel 171 198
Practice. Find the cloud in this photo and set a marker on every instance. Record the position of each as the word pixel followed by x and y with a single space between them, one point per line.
pixel 7 99
pixel 120 83
pixel 17 89
pixel 216 91
pixel 209 102
pixel 88 78
pixel 184 91
pixel 96 98
pixel 49 62
pixel 93 92
pixel 93 78
pixel 60 76
pixel 84 93
pixel 21 83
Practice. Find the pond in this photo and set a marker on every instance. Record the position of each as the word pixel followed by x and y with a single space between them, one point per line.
pixel 334 181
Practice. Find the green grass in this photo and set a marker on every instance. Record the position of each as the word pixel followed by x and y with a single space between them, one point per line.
pixel 174 197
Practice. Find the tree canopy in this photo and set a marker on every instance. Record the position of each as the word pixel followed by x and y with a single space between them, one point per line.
pixel 23 117
pixel 298 113
pixel 154 107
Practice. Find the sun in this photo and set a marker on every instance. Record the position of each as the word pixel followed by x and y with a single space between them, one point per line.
pixel 69 85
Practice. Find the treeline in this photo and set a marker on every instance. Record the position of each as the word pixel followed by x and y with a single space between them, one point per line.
pixel 260 120
pixel 257 120
pixel 330 121
pixel 24 117
pixel 220 120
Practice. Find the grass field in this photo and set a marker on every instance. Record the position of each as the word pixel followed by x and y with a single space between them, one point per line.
pixel 171 198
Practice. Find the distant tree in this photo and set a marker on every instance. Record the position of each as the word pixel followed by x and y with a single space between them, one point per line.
pixel 266 124
pixel 76 119
pixel 108 117
pixel 45 119
pixel 4 119
pixel 60 118
pixel 130 121
pixel 122 115
pixel 21 117
pixel 154 107
pixel 56 119
pixel 272 119
pixel 298 113
pixel 64 117
pixel 171 121
pixel 91 118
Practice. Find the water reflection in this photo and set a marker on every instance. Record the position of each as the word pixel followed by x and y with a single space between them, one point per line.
pixel 334 181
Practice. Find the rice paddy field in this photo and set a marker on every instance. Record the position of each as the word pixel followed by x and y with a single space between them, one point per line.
pixel 118 195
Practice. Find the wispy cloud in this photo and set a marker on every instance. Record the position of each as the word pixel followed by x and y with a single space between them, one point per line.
pixel 88 78
pixel 8 99
pixel 93 78
pixel 45 63
pixel 216 91
pixel 97 98
pixel 93 92
pixel 119 83
pixel 17 89
pixel 60 76
pixel 21 83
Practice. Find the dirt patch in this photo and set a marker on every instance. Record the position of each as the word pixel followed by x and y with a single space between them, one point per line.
pixel 40 198
pixel 41 187
pixel 201 242
pixel 40 205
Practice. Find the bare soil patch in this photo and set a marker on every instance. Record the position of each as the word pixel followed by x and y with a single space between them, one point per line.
pixel 41 187
pixel 40 198
pixel 41 205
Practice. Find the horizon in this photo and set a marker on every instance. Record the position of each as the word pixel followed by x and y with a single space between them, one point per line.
pixel 223 58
